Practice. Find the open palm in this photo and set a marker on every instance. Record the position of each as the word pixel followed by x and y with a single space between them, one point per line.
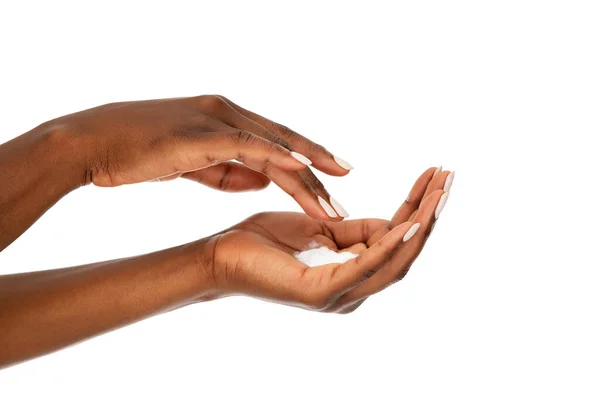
pixel 256 256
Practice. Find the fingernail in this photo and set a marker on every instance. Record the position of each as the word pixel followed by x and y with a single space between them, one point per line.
pixel 437 171
pixel 343 163
pixel 304 160
pixel 411 232
pixel 441 204
pixel 328 209
pixel 338 207
pixel 449 180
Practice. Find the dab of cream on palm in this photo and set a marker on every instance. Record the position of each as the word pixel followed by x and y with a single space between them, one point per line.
pixel 320 255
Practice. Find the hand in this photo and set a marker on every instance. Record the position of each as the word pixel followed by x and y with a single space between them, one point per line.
pixel 196 138
pixel 256 257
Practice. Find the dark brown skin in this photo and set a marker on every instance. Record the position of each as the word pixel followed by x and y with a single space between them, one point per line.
pixel 131 142
pixel 44 311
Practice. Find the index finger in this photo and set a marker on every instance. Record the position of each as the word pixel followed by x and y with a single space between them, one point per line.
pixel 321 158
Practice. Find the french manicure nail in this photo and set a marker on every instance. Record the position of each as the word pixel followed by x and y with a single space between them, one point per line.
pixel 441 204
pixel 449 180
pixel 411 232
pixel 303 159
pixel 328 209
pixel 338 207
pixel 437 171
pixel 343 163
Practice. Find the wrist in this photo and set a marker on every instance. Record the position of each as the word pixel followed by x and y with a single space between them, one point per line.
pixel 200 255
pixel 60 154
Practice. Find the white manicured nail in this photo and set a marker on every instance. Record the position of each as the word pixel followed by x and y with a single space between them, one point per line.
pixel 328 209
pixel 304 160
pixel 441 204
pixel 343 163
pixel 411 232
pixel 437 171
pixel 449 180
pixel 338 207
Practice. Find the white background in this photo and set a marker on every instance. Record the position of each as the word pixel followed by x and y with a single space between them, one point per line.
pixel 503 302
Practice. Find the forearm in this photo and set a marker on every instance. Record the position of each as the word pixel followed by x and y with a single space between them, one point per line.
pixel 44 311
pixel 36 170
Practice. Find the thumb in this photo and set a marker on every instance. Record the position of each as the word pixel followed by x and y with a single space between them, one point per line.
pixel 229 177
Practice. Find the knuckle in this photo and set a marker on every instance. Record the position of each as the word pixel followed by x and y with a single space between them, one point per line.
pixel 378 246
pixel 225 178
pixel 318 184
pixel 314 181
pixel 291 135
pixel 223 98
pixel 279 141
pixel 243 137
pixel 370 272
pixel 317 148
pixel 276 148
pixel 365 229
pixel 304 184
pixel 210 102
pixel 285 131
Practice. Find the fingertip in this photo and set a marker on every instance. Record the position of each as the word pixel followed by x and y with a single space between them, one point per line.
pixel 305 161
pixel 419 189
pixel 339 209
pixel 432 171
pixel 321 210
pixel 329 210
pixel 436 194
pixel 315 209
pixel 291 160
pixel 428 206
pixel 441 204
pixel 340 167
pixel 320 214
pixel 343 163
pixel 449 181
pixel 411 232
pixel 439 181
pixel 397 234
pixel 331 165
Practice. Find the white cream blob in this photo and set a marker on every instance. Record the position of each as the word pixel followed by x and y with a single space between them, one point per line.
pixel 315 256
